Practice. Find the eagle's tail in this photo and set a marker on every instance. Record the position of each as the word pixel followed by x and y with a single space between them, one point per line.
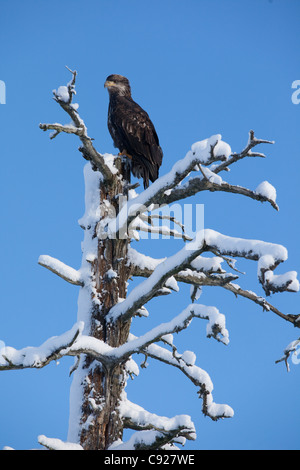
pixel 142 168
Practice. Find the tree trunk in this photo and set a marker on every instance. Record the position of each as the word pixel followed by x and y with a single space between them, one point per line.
pixel 100 424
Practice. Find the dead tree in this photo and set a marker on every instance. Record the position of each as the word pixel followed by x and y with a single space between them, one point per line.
pixel 101 341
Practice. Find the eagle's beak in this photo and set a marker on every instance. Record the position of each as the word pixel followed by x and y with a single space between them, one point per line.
pixel 108 84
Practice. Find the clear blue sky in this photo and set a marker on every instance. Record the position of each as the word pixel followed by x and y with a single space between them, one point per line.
pixel 199 67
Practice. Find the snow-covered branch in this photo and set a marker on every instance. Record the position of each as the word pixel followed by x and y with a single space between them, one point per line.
pixel 140 224
pixel 210 181
pixel 204 152
pixel 149 440
pixel 56 444
pixel 209 272
pixel 137 418
pixel 171 187
pixel 64 97
pixel 67 273
pixel 269 256
pixel 37 357
pixel 292 349
pixel 148 288
pixel 196 375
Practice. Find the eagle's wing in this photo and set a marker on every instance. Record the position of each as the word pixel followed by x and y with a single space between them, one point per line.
pixel 138 133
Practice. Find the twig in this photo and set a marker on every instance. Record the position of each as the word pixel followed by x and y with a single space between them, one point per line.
pixel 78 128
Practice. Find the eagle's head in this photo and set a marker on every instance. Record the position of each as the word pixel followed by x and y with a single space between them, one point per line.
pixel 118 84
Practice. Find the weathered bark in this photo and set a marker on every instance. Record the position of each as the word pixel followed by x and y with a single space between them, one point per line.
pixel 101 424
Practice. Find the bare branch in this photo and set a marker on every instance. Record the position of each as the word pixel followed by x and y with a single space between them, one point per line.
pixel 237 290
pixel 246 152
pixel 64 96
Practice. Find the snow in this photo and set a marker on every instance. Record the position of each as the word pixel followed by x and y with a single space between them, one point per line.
pixel 57 444
pixel 141 417
pixel 267 190
pixel 132 368
pixel 292 346
pixel 252 249
pixel 62 93
pixel 36 356
pixel 265 267
pixel 137 440
pixel 172 284
pixel 268 255
pixel 111 274
pixel 201 149
pixel 200 153
pixel 62 269
pixel 217 411
pixel 279 280
pixel 141 260
pixel 204 264
pixel 109 161
pixel 198 376
pixel 87 292
pixel 189 357
pixel 211 176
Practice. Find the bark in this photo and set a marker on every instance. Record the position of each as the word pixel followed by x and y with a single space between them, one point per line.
pixel 100 422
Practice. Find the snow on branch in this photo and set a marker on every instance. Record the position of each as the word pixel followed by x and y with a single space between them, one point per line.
pixel 171 187
pixel 209 272
pixel 57 444
pixel 269 255
pixel 205 152
pixel 38 357
pixel 140 224
pixel 147 440
pixel 137 418
pixel 64 97
pixel 67 273
pixel 292 349
pixel 212 182
pixel 148 288
pixel 196 375
pixel 215 328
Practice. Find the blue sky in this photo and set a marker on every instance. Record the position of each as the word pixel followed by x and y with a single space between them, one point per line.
pixel 199 67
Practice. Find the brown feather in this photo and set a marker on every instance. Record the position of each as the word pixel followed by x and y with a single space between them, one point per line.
pixel 133 131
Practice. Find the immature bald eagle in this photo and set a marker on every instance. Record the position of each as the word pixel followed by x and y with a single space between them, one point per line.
pixel 132 130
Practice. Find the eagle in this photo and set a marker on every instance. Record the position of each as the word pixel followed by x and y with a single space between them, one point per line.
pixel 132 130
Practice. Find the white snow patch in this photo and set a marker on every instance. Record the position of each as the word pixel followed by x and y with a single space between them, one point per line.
pixel 267 190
